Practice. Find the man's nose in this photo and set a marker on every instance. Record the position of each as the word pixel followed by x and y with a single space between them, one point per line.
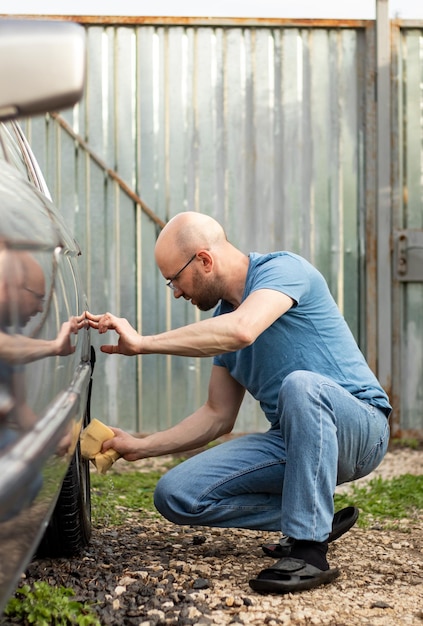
pixel 177 293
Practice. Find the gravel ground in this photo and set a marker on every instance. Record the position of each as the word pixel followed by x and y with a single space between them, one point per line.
pixel 149 572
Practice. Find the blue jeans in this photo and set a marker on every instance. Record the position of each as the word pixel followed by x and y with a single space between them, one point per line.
pixel 283 479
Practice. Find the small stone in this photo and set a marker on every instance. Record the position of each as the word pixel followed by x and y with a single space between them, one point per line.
pixel 198 540
pixel 380 604
pixel 201 583
pixel 158 615
pixel 193 613
pixel 143 574
pixel 203 570
pixel 127 580
pixel 167 605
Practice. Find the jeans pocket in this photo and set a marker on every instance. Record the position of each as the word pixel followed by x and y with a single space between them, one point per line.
pixel 375 455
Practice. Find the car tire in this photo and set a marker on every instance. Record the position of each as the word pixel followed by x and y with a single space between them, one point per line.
pixel 69 528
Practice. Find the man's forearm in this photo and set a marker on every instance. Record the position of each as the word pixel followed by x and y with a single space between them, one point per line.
pixel 206 338
pixel 18 349
pixel 193 432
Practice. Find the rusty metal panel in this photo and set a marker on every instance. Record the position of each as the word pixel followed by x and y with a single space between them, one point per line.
pixel 408 224
pixel 383 196
pixel 261 126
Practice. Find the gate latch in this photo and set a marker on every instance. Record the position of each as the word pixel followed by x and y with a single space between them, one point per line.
pixel 408 265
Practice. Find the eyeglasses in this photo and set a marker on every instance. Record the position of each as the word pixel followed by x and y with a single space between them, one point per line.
pixel 39 296
pixel 170 282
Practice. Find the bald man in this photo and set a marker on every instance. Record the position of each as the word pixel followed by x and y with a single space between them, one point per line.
pixel 22 294
pixel 276 332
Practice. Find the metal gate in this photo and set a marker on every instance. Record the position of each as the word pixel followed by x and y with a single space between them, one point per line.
pixel 407 224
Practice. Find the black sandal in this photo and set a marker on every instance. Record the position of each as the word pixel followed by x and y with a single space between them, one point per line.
pixel 288 575
pixel 343 520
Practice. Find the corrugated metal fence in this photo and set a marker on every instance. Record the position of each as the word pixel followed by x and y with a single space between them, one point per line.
pixel 407 212
pixel 270 129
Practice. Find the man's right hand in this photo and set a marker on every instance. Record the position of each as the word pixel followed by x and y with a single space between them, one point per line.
pixel 129 447
pixel 129 342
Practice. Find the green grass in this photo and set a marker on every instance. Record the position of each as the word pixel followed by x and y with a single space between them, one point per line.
pixel 384 500
pixel 410 442
pixel 113 495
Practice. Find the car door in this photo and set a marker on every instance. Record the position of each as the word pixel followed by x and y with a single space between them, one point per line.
pixel 44 397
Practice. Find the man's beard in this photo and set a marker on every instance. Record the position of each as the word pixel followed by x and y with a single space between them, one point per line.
pixel 207 296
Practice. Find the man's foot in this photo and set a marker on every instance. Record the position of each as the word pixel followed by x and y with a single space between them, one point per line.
pixel 343 521
pixel 312 552
pixel 289 575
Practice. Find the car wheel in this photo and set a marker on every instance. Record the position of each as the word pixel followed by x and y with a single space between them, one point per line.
pixel 69 529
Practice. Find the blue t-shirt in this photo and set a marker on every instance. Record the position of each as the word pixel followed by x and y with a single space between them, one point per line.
pixel 311 336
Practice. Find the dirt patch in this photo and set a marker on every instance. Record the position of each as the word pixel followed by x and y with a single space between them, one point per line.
pixel 150 573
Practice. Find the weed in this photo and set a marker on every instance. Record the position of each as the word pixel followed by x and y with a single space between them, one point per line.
pixel 386 500
pixel 114 495
pixel 44 605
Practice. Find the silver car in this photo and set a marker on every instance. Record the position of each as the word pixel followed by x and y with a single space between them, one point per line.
pixel 46 359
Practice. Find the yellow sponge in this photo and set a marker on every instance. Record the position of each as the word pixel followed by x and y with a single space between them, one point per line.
pixel 92 439
pixel 104 460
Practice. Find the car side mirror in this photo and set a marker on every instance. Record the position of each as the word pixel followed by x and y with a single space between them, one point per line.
pixel 42 66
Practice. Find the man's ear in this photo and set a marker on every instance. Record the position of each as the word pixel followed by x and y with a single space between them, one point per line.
pixel 206 260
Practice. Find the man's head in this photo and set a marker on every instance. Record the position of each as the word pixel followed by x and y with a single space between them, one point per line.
pixel 190 252
pixel 22 287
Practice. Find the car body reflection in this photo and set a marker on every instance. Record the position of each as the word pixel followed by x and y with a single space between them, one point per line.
pixel 45 371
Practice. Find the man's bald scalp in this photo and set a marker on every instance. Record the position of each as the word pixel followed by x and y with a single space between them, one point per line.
pixel 191 231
